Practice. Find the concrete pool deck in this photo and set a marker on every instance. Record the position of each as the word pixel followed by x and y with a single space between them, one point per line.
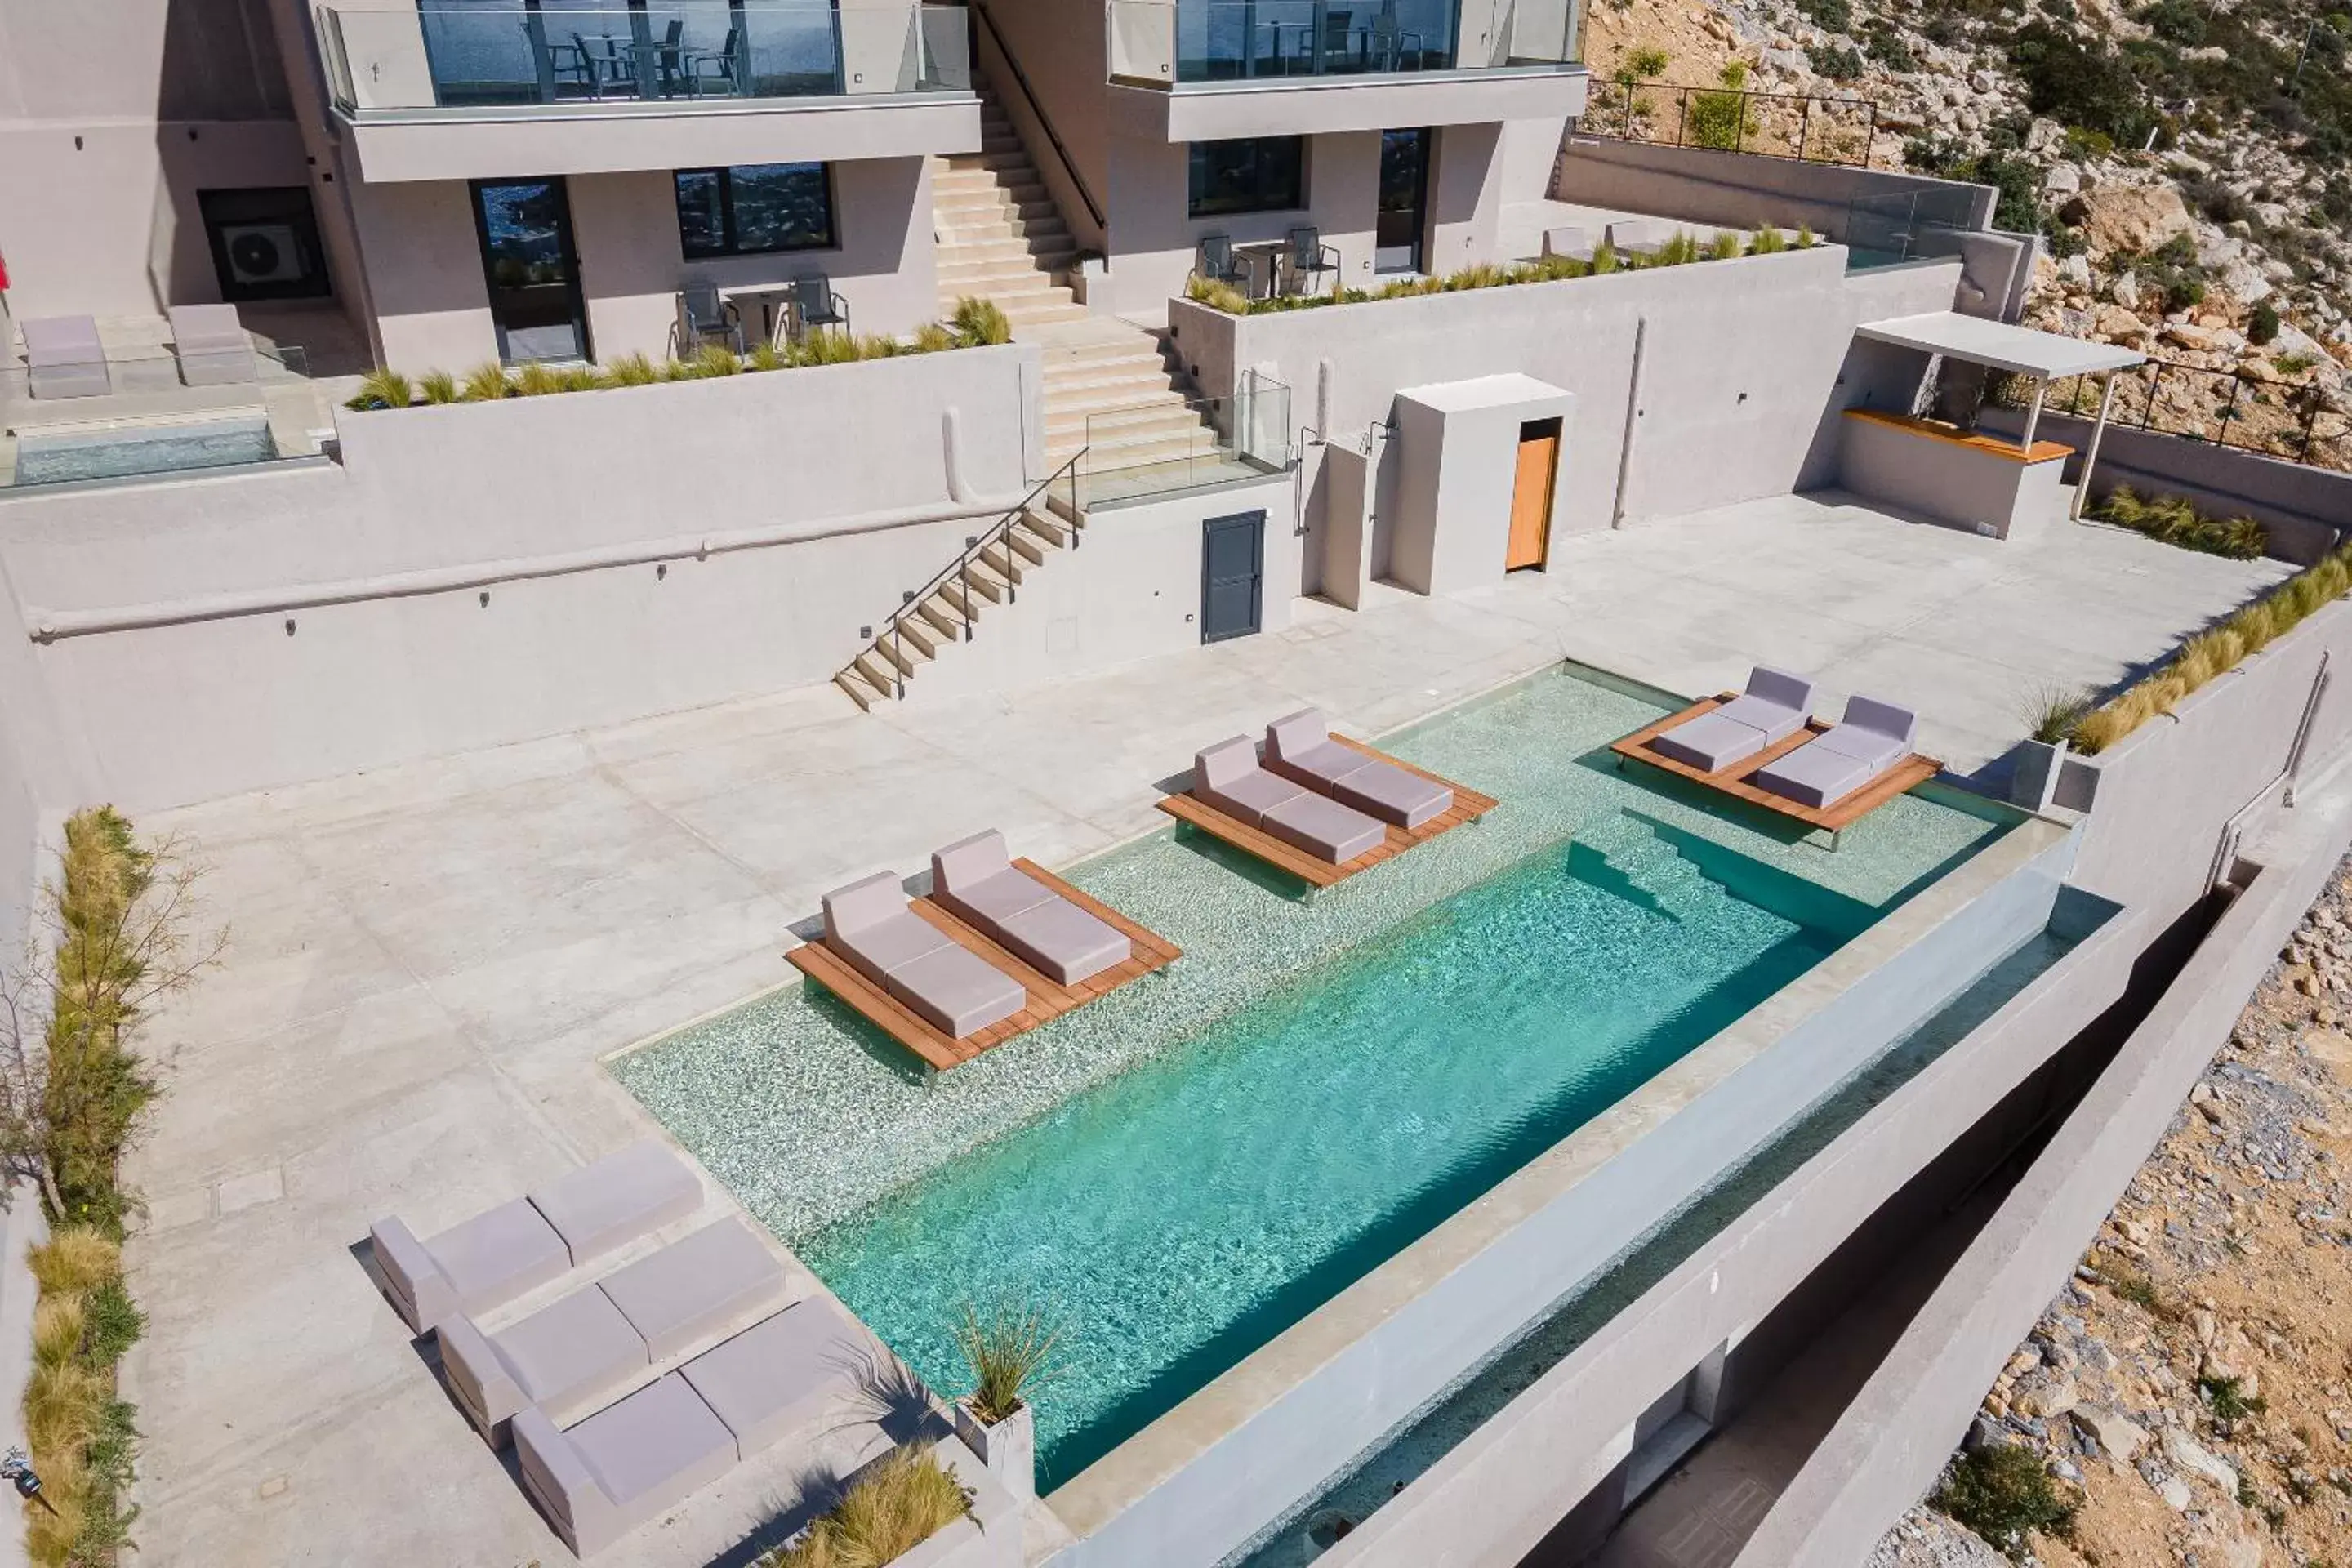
pixel 427 962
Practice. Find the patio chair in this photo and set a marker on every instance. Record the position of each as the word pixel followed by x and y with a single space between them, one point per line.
pixel 211 346
pixel 976 878
pixel 814 304
pixel 1570 241
pixel 64 358
pixel 1305 255
pixel 1873 737
pixel 1329 50
pixel 1774 708
pixel 869 924
pixel 1227 776
pixel 1300 747
pixel 704 315
pixel 510 1250
pixel 722 68
pixel 1217 262
pixel 1385 46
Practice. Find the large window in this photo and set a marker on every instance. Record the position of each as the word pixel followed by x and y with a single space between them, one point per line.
pixel 1261 175
pixel 754 207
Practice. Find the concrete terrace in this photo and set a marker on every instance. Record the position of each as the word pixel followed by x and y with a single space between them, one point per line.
pixel 427 962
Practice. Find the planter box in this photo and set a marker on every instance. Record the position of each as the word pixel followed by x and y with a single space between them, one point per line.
pixel 1009 1448
pixel 2034 784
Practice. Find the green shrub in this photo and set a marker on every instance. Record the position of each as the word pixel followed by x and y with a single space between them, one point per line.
pixel 2173 520
pixel 381 388
pixel 1768 242
pixel 2264 326
pixel 437 387
pixel 1829 16
pixel 631 370
pixel 1721 120
pixel 2227 1398
pixel 2003 1494
pixel 536 380
pixel 1644 64
pixel 1838 62
pixel 112 1323
pixel 487 382
pixel 1010 1351
pixel 1888 48
pixel 980 323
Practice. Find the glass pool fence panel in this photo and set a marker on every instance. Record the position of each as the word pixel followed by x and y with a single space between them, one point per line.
pixel 1898 226
pixel 1242 40
pixel 492 55
pixel 1816 128
pixel 1164 449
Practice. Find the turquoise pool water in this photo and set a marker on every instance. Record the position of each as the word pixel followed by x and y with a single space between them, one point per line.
pixel 1177 1218
pixel 125 452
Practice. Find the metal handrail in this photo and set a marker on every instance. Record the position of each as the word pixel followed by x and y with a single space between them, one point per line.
pixel 2305 435
pixel 1045 121
pixel 1740 125
pixel 974 546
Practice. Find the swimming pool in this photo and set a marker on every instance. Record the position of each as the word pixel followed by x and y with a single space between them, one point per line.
pixel 1183 1169
pixel 51 458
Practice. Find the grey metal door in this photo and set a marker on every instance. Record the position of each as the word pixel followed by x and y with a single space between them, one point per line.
pixel 1233 575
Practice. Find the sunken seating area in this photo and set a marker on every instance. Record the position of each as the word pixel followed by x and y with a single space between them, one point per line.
pixel 499 1257
pixel 1015 933
pixel 1321 807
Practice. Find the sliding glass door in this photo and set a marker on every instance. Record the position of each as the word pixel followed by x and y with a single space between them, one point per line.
pixel 533 274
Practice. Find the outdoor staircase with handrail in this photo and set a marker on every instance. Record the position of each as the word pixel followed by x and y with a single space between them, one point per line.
pixel 946 609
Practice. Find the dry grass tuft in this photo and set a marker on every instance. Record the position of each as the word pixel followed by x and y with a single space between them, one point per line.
pixel 56 1328
pixel 894 1508
pixel 75 1257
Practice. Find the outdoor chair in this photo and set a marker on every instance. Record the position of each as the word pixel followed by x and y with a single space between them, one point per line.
pixel 1305 257
pixel 1300 747
pixel 870 925
pixel 64 358
pixel 1386 47
pixel 1774 708
pixel 596 66
pixel 814 304
pixel 1217 263
pixel 976 880
pixel 1569 240
pixel 1872 738
pixel 634 1461
pixel 211 345
pixel 722 68
pixel 510 1250
pixel 1227 776
pixel 704 315
pixel 1328 50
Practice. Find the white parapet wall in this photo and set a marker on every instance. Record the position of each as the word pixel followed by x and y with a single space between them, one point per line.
pixel 477 574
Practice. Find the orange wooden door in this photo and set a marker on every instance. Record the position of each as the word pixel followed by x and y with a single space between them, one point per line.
pixel 1531 497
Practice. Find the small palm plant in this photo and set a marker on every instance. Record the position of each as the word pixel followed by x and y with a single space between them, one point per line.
pixel 1010 1349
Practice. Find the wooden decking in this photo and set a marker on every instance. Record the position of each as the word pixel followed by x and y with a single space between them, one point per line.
pixel 1732 780
pixel 1048 999
pixel 1468 806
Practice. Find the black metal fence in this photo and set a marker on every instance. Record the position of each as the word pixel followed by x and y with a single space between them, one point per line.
pixel 2291 416
pixel 1810 126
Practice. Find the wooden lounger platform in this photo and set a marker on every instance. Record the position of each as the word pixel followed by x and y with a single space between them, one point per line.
pixel 1732 780
pixel 1048 999
pixel 1468 806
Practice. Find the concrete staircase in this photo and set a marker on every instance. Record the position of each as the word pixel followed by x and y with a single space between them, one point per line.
pixel 1002 238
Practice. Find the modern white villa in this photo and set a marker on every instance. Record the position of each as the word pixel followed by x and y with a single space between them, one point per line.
pixel 1478 806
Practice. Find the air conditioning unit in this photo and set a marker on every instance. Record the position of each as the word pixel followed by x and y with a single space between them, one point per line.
pixel 262 252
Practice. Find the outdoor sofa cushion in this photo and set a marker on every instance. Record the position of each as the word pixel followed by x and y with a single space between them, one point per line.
pixel 486 1262
pixel 1300 747
pixel 785 1372
pixel 64 357
pixel 603 1207
pixel 211 345
pixel 1324 828
pixel 976 879
pixel 870 923
pixel 720 1275
pixel 567 1359
pixel 623 1465
pixel 1711 741
pixel 959 992
pixel 1227 776
pixel 1813 774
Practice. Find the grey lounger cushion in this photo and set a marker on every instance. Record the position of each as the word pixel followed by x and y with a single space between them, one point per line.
pixel 211 345
pixel 1064 942
pixel 65 358
pixel 1813 774
pixel 784 1373
pixel 567 1359
pixel 976 879
pixel 487 1261
pixel 1227 776
pixel 719 1277
pixel 868 923
pixel 603 1207
pixel 1776 702
pixel 1323 827
pixel 1710 742
pixel 624 1465
pixel 958 992
pixel 1300 747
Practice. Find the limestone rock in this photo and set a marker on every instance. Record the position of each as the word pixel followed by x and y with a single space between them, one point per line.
pixel 2063 180
pixel 2117 1434
pixel 2138 218
pixel 2187 1453
pixel 2047 1400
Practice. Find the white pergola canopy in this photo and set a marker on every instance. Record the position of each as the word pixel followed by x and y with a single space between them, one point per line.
pixel 2021 350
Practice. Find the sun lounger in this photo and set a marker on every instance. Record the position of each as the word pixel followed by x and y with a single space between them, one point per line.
pixel 211 346
pixel 1300 747
pixel 64 358
pixel 626 1464
pixel 574 1355
pixel 1773 708
pixel 1873 738
pixel 868 924
pixel 497 1256
pixel 976 878
pixel 1227 776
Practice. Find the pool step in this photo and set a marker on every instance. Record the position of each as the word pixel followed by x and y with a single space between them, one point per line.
pixel 1624 857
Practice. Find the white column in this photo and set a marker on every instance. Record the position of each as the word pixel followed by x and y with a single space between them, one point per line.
pixel 2091 454
pixel 2034 417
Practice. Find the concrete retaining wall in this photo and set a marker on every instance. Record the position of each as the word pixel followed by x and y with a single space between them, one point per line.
pixel 2305 511
pixel 481 573
pixel 1233 1458
pixel 1744 190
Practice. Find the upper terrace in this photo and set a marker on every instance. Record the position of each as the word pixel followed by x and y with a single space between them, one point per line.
pixel 468 90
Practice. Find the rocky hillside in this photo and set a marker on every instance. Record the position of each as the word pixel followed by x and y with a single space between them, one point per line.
pixel 2189 162
pixel 2188 1398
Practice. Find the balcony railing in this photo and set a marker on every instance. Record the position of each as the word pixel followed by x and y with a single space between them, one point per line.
pixel 1158 43
pixel 456 55
pixel 1154 449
